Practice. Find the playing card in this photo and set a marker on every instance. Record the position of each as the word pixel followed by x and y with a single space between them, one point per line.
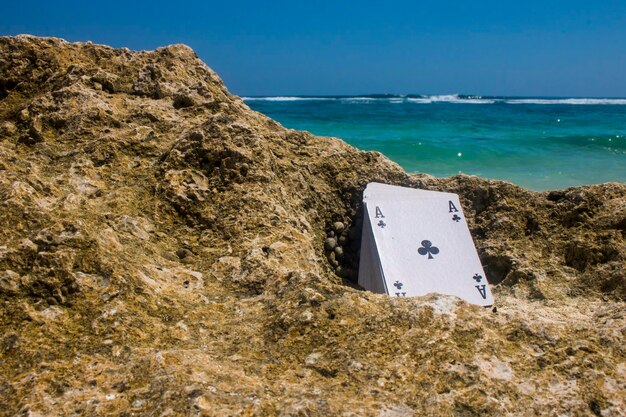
pixel 423 245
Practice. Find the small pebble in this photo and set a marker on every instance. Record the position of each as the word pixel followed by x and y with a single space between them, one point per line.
pixel 330 243
pixel 333 260
pixel 338 227
pixel 343 272
pixel 339 252
pixel 312 358
pixel 23 115
pixel 244 168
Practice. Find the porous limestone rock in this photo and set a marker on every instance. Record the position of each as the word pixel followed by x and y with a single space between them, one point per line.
pixel 162 252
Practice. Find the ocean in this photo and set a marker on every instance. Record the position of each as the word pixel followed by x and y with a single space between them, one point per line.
pixel 538 143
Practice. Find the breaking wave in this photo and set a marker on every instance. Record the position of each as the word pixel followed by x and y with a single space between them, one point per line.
pixel 575 101
pixel 452 98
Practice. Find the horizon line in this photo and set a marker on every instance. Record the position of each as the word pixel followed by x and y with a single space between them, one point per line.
pixel 428 95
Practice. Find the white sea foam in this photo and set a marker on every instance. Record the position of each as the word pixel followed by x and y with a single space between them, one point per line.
pixel 576 101
pixel 456 99
pixel 366 99
pixel 451 98
pixel 357 98
pixel 419 100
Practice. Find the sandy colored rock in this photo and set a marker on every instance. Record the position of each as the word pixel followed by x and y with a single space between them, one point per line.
pixel 162 252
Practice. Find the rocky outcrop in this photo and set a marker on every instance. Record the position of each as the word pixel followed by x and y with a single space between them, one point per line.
pixel 164 250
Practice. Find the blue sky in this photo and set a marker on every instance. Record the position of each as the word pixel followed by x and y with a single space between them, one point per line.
pixel 536 48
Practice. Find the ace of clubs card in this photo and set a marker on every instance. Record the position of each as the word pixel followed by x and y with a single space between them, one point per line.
pixel 422 244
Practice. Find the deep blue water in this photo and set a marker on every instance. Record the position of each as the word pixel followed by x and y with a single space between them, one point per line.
pixel 541 144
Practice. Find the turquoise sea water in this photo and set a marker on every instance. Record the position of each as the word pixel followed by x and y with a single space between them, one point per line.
pixel 539 143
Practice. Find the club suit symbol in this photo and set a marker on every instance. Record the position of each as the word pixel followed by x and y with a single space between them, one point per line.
pixel 456 218
pixel 381 224
pixel 428 249
pixel 477 277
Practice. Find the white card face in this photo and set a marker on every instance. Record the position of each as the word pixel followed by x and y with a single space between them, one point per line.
pixel 424 246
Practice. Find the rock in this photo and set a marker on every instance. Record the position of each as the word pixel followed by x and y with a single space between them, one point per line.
pixel 23 115
pixel 313 358
pixel 28 246
pixel 338 227
pixel 9 282
pixel 244 169
pixel 7 128
pixel 36 130
pixel 332 259
pixel 142 153
pixel 344 272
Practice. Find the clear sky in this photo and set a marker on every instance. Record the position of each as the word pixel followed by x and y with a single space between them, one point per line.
pixel 500 47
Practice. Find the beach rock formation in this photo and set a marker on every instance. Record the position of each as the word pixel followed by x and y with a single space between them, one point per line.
pixel 164 250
